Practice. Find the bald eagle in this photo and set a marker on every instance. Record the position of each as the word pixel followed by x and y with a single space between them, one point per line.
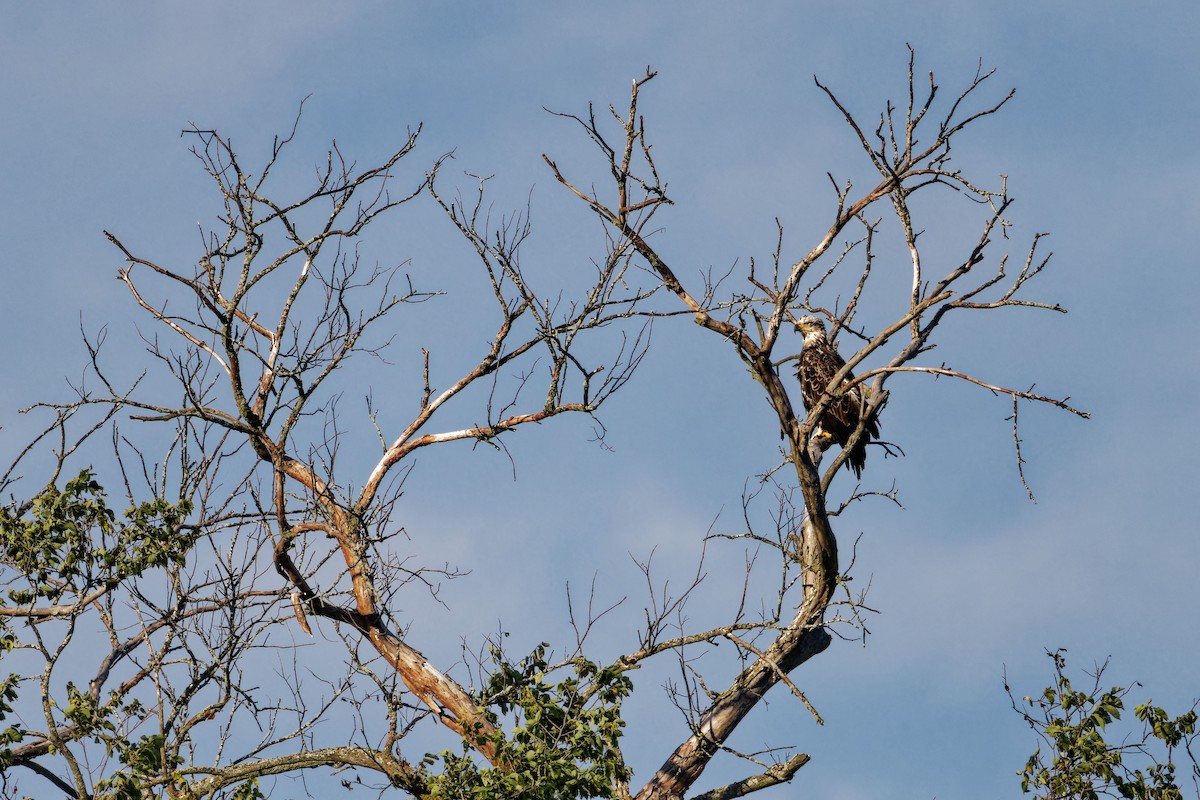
pixel 819 362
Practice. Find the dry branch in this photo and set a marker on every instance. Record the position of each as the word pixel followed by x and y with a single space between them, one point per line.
pixel 905 166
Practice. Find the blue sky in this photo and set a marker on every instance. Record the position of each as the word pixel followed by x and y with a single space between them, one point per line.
pixel 1099 150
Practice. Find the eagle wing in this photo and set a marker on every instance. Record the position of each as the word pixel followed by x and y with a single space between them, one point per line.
pixel 818 365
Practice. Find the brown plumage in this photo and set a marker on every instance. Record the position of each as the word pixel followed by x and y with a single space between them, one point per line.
pixel 819 362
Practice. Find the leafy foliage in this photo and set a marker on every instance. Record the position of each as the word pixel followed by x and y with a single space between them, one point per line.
pixel 1081 762
pixel 147 757
pixel 565 744
pixel 71 542
pixel 61 553
pixel 11 734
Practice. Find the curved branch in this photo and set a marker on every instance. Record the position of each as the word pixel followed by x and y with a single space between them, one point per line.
pixel 402 774
pixel 777 774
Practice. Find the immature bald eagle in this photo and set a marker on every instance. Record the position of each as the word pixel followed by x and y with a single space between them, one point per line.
pixel 819 362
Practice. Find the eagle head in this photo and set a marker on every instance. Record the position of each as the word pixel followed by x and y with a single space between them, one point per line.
pixel 811 328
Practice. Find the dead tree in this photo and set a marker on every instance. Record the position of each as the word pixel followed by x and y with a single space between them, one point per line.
pixel 279 306
pixel 272 366
pixel 251 335
pixel 910 147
